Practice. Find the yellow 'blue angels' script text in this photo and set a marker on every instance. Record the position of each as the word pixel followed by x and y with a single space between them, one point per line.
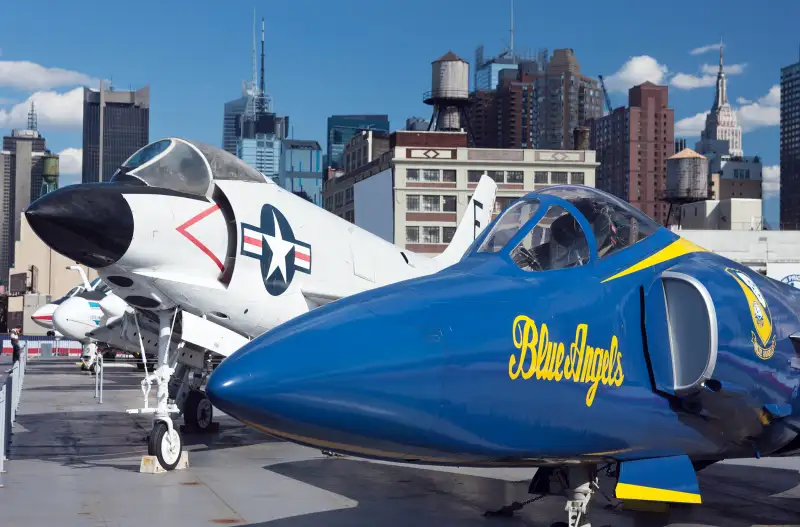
pixel 549 362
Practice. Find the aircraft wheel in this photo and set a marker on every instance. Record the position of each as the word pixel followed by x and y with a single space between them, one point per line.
pixel 167 447
pixel 140 365
pixel 198 412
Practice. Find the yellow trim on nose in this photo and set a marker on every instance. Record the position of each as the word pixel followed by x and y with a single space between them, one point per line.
pixel 677 248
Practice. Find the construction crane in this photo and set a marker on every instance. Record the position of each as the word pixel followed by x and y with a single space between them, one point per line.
pixel 605 94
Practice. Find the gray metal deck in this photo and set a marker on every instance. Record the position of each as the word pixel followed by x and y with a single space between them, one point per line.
pixel 75 463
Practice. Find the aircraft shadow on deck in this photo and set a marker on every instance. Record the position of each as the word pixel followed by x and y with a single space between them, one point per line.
pixel 89 439
pixel 734 496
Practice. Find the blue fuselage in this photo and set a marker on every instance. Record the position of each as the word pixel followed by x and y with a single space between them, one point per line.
pixel 484 363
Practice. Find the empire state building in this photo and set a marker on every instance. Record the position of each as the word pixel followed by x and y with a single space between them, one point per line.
pixel 721 122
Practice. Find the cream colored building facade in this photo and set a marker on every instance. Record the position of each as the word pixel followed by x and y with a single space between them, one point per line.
pixel 415 194
pixel 52 276
pixel 432 187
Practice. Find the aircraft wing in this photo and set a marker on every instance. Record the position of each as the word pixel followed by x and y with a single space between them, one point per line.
pixel 211 336
pixel 325 293
pixel 475 219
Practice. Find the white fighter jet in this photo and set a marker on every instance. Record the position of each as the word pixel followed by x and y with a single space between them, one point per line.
pixel 83 309
pixel 215 254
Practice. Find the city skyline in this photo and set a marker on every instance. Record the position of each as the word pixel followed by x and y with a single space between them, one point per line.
pixel 307 77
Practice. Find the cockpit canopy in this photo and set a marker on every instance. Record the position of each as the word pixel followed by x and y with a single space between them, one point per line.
pixel 541 232
pixel 184 166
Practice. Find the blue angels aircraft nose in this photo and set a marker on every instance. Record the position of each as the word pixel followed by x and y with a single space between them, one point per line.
pixel 91 224
pixel 330 382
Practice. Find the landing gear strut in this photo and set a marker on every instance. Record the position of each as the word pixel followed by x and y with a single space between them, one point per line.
pixel 165 441
pixel 578 484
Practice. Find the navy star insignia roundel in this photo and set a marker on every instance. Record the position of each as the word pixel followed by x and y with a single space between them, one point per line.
pixel 274 244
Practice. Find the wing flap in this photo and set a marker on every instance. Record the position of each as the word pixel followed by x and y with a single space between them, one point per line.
pixel 667 479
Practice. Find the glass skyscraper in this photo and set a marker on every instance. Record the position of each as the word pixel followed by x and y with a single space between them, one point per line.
pixel 126 129
pixel 790 148
pixel 341 128
pixel 301 169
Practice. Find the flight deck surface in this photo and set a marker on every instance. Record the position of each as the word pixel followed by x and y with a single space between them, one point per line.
pixel 75 462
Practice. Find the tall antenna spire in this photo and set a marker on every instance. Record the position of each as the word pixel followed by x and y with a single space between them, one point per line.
pixel 32 119
pixel 261 85
pixel 254 78
pixel 720 53
pixel 511 41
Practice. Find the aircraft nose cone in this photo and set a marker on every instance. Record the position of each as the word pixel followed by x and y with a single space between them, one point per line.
pixel 339 377
pixel 91 224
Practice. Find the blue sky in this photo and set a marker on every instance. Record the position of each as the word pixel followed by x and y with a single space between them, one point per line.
pixel 372 56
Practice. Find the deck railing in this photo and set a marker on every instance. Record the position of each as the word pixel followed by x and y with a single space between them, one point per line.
pixel 10 392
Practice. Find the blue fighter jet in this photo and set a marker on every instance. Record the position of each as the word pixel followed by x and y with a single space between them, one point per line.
pixel 575 335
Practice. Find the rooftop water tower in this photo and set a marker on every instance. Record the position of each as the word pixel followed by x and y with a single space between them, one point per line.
pixel 449 94
pixel 50 174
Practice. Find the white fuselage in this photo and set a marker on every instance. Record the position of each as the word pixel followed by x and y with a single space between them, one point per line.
pixel 183 250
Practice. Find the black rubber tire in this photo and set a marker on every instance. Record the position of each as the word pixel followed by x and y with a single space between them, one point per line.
pixel 140 365
pixel 151 449
pixel 190 412
pixel 159 430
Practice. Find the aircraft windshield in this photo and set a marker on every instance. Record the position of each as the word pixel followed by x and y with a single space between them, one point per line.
pixel 72 292
pixel 184 166
pixel 615 224
pixel 508 225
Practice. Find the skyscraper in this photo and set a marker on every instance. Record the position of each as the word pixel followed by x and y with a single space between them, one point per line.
pixel 790 147
pixel 633 145
pixel 341 128
pixel 251 131
pixel 537 105
pixel 126 129
pixel 722 134
pixel 22 162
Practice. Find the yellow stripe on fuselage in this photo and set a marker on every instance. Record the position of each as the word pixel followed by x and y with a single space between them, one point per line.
pixel 677 248
pixel 626 491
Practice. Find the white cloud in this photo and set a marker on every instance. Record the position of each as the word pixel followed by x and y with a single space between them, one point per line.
pixel 708 77
pixel 687 81
pixel 70 164
pixel 704 49
pixel 742 100
pixel 55 110
pixel 730 69
pixel 691 126
pixel 636 71
pixel 771 193
pixel 764 112
pixel 29 76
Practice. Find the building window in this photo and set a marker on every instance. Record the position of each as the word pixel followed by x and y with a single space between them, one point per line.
pixel 449 176
pixel 339 199
pixel 540 177
pixel 448 203
pixel 329 203
pixel 348 195
pixel 412 203
pixel 514 176
pixel 350 216
pixel 412 234
pixel 497 175
pixel 412 174
pixel 577 178
pixel 430 175
pixel 431 203
pixel 447 234
pixel 559 177
pixel 430 235
pixel 473 176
